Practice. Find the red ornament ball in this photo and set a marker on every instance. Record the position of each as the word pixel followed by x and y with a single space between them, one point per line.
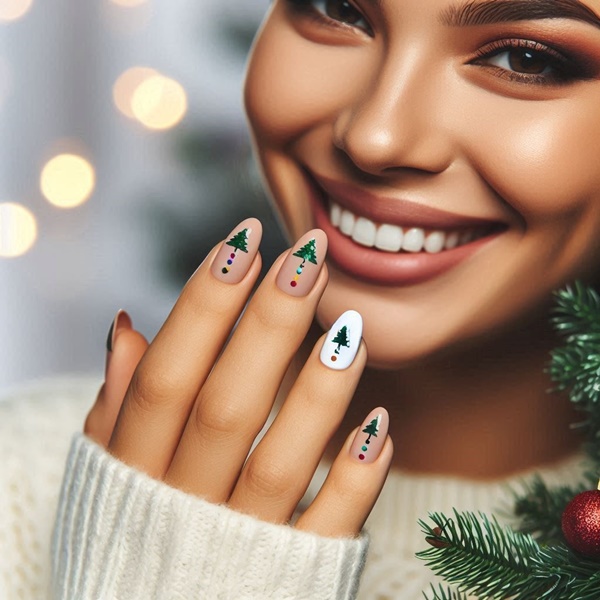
pixel 581 524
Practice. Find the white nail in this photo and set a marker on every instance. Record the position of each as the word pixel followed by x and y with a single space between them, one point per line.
pixel 342 341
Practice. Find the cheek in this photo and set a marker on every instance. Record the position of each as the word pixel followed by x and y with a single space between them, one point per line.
pixel 543 158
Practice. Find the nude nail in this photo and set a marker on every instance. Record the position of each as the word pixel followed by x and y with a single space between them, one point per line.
pixel 371 436
pixel 342 341
pixel 237 252
pixel 300 270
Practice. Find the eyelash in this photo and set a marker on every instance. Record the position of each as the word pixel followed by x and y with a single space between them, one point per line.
pixel 564 69
pixel 307 8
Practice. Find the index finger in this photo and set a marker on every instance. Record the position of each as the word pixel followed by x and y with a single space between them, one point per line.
pixel 175 366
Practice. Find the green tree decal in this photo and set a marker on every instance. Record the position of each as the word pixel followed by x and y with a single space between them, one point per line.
pixel 308 253
pixel 240 241
pixel 372 428
pixel 341 339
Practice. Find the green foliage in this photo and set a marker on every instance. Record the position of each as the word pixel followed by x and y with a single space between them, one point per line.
pixel 479 557
pixel 483 559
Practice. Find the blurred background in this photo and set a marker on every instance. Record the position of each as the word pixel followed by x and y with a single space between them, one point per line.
pixel 124 157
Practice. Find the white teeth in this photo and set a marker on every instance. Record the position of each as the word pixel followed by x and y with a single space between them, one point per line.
pixel 335 215
pixel 347 223
pixel 364 232
pixel 451 240
pixel 389 238
pixel 413 240
pixel 434 242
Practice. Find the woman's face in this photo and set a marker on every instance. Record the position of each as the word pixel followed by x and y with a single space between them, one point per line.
pixel 450 150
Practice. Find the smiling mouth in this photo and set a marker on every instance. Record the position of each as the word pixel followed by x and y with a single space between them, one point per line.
pixel 392 238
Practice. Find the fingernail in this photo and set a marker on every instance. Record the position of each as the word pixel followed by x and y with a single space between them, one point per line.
pixel 237 252
pixel 121 321
pixel 371 436
pixel 342 341
pixel 303 264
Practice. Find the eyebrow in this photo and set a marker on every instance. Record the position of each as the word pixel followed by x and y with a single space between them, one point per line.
pixel 503 11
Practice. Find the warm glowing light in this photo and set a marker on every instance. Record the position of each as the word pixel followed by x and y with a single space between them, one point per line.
pixel 67 180
pixel 129 3
pixel 11 10
pixel 18 230
pixel 159 102
pixel 126 85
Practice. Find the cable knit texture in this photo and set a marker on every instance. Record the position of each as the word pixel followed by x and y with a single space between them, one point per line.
pixel 148 540
pixel 121 535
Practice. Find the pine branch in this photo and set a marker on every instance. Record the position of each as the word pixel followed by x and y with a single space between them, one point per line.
pixel 492 562
pixel 540 509
pixel 482 558
pixel 577 311
pixel 443 593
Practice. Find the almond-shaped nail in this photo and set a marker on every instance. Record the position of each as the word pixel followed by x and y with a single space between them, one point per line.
pixel 121 321
pixel 300 269
pixel 237 252
pixel 371 436
pixel 342 341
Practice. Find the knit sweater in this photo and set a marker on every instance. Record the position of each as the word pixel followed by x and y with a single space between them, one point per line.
pixel 120 534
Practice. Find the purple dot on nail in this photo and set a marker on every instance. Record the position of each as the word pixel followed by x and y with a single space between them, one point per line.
pixel 361 456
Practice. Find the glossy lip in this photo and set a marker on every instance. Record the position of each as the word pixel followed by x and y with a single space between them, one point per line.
pixel 395 211
pixel 394 269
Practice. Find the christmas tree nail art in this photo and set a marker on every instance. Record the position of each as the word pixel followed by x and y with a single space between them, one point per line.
pixel 304 262
pixel 342 341
pixel 240 242
pixel 308 252
pixel 370 437
pixel 238 251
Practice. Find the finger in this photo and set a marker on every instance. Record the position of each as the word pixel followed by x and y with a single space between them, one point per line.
pixel 352 487
pixel 125 348
pixel 235 402
pixel 279 470
pixel 175 366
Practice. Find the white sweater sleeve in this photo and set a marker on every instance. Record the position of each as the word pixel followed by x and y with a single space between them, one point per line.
pixel 120 534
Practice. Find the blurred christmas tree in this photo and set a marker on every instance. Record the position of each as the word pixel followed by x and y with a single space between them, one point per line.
pixel 222 186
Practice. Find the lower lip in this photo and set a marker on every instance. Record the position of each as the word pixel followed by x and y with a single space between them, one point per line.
pixel 386 268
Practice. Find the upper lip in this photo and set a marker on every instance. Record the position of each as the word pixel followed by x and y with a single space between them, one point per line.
pixel 395 211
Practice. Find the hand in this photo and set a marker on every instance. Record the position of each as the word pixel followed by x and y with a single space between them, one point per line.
pixel 187 408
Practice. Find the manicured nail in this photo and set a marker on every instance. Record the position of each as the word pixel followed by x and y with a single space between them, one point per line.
pixel 303 264
pixel 121 321
pixel 342 341
pixel 237 252
pixel 371 436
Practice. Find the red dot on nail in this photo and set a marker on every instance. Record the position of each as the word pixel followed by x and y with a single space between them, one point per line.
pixel 361 456
pixel 293 283
pixel 232 255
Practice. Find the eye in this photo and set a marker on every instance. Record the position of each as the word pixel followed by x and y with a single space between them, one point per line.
pixel 524 61
pixel 527 61
pixel 335 12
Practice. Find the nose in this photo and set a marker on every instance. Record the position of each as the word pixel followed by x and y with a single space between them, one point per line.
pixel 397 122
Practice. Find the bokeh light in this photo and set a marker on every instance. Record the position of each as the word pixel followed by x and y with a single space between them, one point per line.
pixel 67 180
pixel 159 102
pixel 18 230
pixel 126 85
pixel 11 10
